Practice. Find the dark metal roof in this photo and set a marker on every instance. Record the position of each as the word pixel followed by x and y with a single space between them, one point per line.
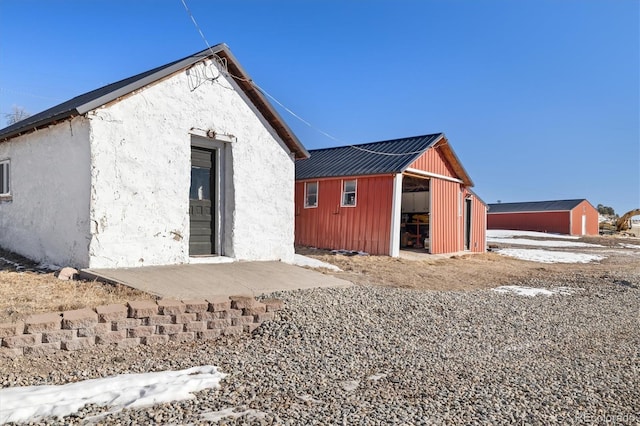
pixel 534 206
pixel 392 156
pixel 96 98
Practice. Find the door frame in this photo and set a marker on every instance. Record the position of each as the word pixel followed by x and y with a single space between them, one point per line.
pixel 218 203
pixel 468 223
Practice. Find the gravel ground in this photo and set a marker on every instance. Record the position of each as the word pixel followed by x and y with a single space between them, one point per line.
pixel 374 355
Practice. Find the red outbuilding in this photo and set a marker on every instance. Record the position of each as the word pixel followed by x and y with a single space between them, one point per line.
pixel 571 217
pixel 383 196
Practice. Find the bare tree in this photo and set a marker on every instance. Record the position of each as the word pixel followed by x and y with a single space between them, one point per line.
pixel 17 114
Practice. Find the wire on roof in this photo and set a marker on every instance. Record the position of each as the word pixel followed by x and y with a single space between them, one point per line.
pixel 391 154
pixel 224 70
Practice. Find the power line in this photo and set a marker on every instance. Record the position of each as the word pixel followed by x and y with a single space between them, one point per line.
pixel 193 19
pixel 16 92
pixel 391 154
pixel 294 114
pixel 264 92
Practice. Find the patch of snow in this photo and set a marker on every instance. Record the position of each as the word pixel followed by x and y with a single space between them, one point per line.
pixel 350 385
pixel 548 256
pixel 533 291
pixel 540 243
pixel 349 252
pixel 509 233
pixel 309 398
pixel 49 266
pixel 9 262
pixel 300 260
pixel 30 403
pixel 210 260
pixel 376 377
pixel 630 246
pixel 216 416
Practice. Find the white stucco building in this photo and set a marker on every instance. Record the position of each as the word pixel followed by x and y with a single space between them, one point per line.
pixel 182 163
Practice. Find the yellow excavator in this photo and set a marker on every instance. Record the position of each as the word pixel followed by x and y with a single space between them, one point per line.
pixel 624 222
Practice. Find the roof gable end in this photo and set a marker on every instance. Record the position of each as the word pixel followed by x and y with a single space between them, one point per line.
pixel 96 98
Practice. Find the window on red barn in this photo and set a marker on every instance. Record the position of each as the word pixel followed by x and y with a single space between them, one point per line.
pixel 349 191
pixel 310 195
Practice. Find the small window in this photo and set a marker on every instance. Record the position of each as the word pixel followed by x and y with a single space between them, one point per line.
pixel 5 189
pixel 349 188
pixel 310 195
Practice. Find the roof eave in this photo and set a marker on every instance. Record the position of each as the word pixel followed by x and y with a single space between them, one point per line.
pixel 457 164
pixel 138 84
pixel 36 125
pixel 241 78
pixel 450 155
pixel 265 107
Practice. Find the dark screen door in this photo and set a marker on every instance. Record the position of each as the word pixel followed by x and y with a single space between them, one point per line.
pixel 201 206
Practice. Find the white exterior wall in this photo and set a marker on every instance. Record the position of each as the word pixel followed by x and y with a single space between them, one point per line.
pixel 140 174
pixel 47 219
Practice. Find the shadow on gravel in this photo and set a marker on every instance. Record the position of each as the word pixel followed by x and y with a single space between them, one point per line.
pixel 625 283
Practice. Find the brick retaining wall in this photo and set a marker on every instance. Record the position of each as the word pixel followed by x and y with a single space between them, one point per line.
pixel 139 322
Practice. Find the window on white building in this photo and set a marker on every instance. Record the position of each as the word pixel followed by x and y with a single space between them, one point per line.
pixel 5 189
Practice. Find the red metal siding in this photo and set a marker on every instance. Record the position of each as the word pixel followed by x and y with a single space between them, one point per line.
pixel 555 222
pixel 445 220
pixel 584 208
pixel 366 227
pixel 433 161
pixel 478 224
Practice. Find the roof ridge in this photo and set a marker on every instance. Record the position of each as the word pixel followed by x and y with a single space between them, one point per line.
pixel 375 143
pixel 542 201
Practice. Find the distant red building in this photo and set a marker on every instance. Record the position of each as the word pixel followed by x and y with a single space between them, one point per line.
pixel 571 217
pixel 383 196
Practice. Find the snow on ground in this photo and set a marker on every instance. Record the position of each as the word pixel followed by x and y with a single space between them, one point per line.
pixel 509 233
pixel 630 246
pixel 532 291
pixel 216 416
pixel 29 403
pixel 301 260
pixel 509 237
pixel 9 262
pixel 540 243
pixel 549 256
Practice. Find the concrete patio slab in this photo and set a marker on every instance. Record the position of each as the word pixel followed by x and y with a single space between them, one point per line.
pixel 224 279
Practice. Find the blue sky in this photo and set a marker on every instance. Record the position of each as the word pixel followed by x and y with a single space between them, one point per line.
pixel 540 99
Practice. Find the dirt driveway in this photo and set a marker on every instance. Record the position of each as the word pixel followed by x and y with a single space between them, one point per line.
pixel 30 290
pixel 486 270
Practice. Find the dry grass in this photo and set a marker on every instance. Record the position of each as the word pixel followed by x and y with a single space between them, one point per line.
pixel 458 273
pixel 469 272
pixel 25 293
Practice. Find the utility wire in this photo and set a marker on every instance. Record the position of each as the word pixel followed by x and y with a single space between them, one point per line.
pixel 264 92
pixel 184 3
pixel 391 154
pixel 16 92
pixel 294 114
